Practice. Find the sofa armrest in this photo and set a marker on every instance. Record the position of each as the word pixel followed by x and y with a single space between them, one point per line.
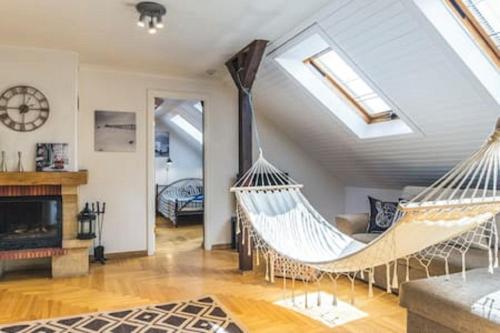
pixel 352 223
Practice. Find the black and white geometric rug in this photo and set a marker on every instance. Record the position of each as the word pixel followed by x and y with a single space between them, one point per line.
pixel 200 315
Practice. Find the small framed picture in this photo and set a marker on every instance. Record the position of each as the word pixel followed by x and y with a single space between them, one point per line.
pixel 114 131
pixel 52 157
pixel 162 144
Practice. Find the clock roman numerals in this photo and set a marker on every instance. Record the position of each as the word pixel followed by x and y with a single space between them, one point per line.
pixel 23 108
pixel 20 90
pixel 44 114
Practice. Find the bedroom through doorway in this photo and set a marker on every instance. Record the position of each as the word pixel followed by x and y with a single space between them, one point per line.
pixel 178 169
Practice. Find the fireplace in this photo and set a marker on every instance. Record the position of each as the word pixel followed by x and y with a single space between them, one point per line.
pixel 30 222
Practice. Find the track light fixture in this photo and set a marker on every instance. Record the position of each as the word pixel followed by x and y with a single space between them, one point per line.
pixel 142 21
pixel 150 15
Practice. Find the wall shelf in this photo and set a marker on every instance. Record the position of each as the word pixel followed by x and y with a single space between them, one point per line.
pixel 43 178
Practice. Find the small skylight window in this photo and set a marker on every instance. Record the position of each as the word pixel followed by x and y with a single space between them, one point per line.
pixel 343 78
pixel 188 128
pixel 482 19
pixel 198 106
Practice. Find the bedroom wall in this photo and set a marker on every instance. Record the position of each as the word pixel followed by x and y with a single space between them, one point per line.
pixel 324 191
pixel 54 73
pixel 120 178
pixel 356 198
pixel 187 159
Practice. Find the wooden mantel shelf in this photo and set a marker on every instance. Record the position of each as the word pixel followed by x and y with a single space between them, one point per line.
pixel 43 178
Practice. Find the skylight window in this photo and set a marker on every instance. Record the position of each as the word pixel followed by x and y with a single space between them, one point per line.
pixel 188 128
pixel 482 19
pixel 342 78
pixel 198 106
pixel 341 88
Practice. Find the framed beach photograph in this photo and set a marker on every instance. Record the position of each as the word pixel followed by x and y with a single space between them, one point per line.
pixel 115 131
pixel 52 157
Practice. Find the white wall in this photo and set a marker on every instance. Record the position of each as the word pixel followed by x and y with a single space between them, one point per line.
pixel 187 159
pixel 54 73
pixel 356 198
pixel 120 178
pixel 322 189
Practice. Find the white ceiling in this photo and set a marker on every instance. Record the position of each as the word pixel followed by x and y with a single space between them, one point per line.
pixel 199 34
pixel 410 62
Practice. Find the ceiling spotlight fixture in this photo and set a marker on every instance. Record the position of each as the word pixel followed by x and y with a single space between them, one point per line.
pixel 159 22
pixel 142 21
pixel 152 27
pixel 150 15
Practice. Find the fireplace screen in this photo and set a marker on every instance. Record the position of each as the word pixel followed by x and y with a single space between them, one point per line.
pixel 30 222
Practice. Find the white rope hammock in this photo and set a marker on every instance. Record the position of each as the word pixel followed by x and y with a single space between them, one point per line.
pixel 451 215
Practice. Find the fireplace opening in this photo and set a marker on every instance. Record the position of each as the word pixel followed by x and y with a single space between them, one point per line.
pixel 30 222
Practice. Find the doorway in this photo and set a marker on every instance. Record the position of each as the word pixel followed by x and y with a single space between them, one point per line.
pixel 178 174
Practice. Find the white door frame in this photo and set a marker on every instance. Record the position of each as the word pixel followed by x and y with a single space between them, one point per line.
pixel 150 157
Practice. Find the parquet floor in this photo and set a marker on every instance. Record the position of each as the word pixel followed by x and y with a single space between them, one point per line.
pixel 185 273
pixel 169 239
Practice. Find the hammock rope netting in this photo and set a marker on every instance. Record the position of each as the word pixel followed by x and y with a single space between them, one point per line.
pixel 455 213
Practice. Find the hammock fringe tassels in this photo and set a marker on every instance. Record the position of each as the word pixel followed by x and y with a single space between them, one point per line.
pixel 453 214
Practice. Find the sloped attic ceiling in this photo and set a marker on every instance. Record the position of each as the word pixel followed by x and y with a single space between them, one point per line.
pixel 412 64
pixel 172 108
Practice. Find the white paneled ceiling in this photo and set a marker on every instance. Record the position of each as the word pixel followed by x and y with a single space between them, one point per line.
pixel 431 87
pixel 171 108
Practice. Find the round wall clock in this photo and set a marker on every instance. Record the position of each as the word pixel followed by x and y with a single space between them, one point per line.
pixel 23 108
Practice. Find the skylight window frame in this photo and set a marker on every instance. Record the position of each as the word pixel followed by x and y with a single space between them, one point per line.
pixel 475 29
pixel 329 78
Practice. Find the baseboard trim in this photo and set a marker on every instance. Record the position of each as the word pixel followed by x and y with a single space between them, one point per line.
pixel 124 255
pixel 221 246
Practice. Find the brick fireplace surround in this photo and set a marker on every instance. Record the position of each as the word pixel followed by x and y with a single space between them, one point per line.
pixel 72 259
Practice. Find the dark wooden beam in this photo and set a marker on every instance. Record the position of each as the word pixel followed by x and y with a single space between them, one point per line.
pixel 243 67
pixel 247 62
pixel 158 102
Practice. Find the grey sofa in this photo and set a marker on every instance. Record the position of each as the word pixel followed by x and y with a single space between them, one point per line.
pixel 438 305
pixel 356 226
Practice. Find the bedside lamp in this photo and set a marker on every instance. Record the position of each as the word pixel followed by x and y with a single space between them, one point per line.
pixel 169 162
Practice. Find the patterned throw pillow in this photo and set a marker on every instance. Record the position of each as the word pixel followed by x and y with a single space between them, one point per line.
pixel 381 215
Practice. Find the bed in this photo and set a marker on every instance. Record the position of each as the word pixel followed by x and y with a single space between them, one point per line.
pixel 184 197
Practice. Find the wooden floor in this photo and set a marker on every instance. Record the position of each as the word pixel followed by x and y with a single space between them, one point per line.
pixel 186 237
pixel 180 272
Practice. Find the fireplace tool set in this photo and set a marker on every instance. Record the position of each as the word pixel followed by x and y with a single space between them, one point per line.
pixel 87 219
pixel 99 249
